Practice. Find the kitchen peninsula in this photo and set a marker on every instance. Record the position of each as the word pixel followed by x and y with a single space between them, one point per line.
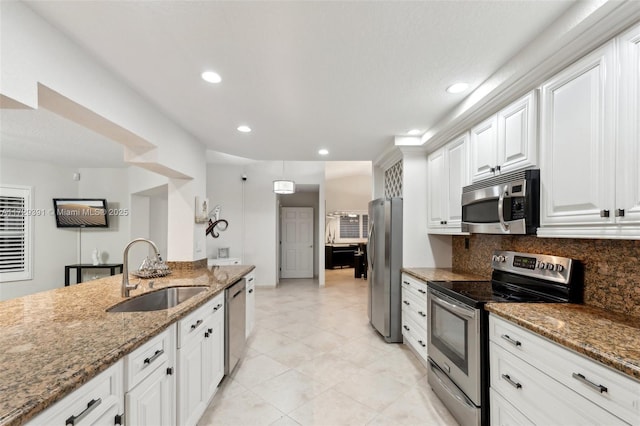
pixel 55 341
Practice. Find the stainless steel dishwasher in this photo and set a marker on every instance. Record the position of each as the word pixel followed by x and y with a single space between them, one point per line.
pixel 235 323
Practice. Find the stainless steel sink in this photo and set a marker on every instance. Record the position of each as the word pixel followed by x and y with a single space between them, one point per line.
pixel 161 299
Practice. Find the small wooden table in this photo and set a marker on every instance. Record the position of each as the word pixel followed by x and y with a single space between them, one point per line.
pixel 80 266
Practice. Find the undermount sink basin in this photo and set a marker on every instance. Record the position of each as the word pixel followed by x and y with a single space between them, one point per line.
pixel 161 299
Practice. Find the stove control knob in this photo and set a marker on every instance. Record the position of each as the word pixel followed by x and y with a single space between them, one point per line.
pixel 541 265
pixel 559 268
pixel 500 258
pixel 550 266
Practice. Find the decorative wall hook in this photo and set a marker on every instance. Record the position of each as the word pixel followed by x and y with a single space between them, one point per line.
pixel 216 222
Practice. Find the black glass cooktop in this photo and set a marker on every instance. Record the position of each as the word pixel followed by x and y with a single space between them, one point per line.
pixel 477 293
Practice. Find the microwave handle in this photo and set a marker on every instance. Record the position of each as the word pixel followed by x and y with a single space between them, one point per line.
pixel 503 193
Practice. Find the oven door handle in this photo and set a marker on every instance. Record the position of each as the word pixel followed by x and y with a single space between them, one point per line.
pixel 467 313
pixel 503 193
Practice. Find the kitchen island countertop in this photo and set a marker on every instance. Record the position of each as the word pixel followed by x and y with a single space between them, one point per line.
pixel 54 341
pixel 442 274
pixel 608 337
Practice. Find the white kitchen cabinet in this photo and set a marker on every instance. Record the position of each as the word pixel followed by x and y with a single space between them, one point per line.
pixel 628 160
pixel 150 381
pixel 251 303
pixel 484 149
pixel 200 359
pixel 590 145
pixel 152 402
pixel 553 385
pixel 517 134
pixel 98 402
pixel 415 316
pixel 506 141
pixel 224 261
pixel 447 174
pixel 577 132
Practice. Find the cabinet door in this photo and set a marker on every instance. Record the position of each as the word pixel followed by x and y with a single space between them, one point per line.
pixel 438 187
pixel 517 144
pixel 628 178
pixel 251 304
pixel 484 154
pixel 457 168
pixel 577 161
pixel 213 355
pixel 191 383
pixel 151 402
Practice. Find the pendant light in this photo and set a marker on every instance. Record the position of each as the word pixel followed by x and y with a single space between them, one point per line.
pixel 284 186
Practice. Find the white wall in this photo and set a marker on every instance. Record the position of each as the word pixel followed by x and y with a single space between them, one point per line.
pixel 418 248
pixel 260 244
pixel 112 184
pixel 52 247
pixel 41 66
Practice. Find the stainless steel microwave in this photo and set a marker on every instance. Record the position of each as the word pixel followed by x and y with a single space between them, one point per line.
pixel 506 204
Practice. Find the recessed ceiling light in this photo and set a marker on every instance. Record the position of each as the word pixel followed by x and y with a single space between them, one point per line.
pixel 457 88
pixel 211 77
pixel 323 151
pixel 414 132
pixel 244 129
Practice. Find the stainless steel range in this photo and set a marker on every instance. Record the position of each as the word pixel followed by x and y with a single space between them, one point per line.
pixel 458 324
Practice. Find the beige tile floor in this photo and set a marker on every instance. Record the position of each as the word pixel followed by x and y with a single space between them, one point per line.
pixel 313 359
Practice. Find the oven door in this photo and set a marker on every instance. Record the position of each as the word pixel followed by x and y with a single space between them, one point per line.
pixel 454 341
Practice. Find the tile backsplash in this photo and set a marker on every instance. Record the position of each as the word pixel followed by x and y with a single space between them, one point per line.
pixel 611 267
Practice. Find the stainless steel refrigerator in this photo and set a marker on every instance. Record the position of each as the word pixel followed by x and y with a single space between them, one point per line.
pixel 384 251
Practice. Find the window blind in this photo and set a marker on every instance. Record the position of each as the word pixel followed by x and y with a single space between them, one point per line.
pixel 15 247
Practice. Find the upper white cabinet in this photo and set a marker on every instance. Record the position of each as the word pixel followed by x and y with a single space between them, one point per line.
pixel 505 141
pixel 577 126
pixel 447 174
pixel 628 159
pixel 590 145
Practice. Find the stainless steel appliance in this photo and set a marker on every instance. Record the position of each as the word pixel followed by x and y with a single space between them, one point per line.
pixel 458 324
pixel 384 252
pixel 235 324
pixel 507 204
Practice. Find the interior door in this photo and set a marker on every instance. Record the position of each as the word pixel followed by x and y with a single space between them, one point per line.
pixel 297 242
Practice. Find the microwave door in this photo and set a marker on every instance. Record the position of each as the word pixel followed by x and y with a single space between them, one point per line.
pixel 488 211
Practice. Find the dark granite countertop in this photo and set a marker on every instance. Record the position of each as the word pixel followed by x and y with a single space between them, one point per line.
pixel 54 341
pixel 608 337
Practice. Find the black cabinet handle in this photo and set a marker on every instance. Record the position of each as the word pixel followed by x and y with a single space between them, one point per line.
pixel 155 356
pixel 514 342
pixel 583 379
pixel 92 405
pixel 406 328
pixel 511 382
pixel 194 326
pixel 406 303
pixel 422 314
pixel 422 291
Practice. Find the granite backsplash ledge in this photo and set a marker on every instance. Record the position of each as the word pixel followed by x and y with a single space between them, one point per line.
pixel 611 267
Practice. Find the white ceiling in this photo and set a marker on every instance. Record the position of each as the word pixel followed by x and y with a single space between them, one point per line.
pixel 346 76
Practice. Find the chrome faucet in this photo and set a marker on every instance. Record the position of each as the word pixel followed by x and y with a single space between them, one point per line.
pixel 126 287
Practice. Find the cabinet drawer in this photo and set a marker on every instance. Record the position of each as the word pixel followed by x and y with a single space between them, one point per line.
pixel 581 374
pixel 415 336
pixel 411 301
pixel 419 317
pixel 188 325
pixel 419 288
pixel 144 360
pixel 539 397
pixel 505 414
pixel 89 404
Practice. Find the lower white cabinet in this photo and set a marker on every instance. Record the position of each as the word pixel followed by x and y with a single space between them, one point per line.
pixel 98 402
pixel 251 303
pixel 550 384
pixel 415 315
pixel 150 381
pixel 200 359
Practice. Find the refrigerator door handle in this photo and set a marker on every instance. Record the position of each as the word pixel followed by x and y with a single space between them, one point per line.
pixel 370 249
